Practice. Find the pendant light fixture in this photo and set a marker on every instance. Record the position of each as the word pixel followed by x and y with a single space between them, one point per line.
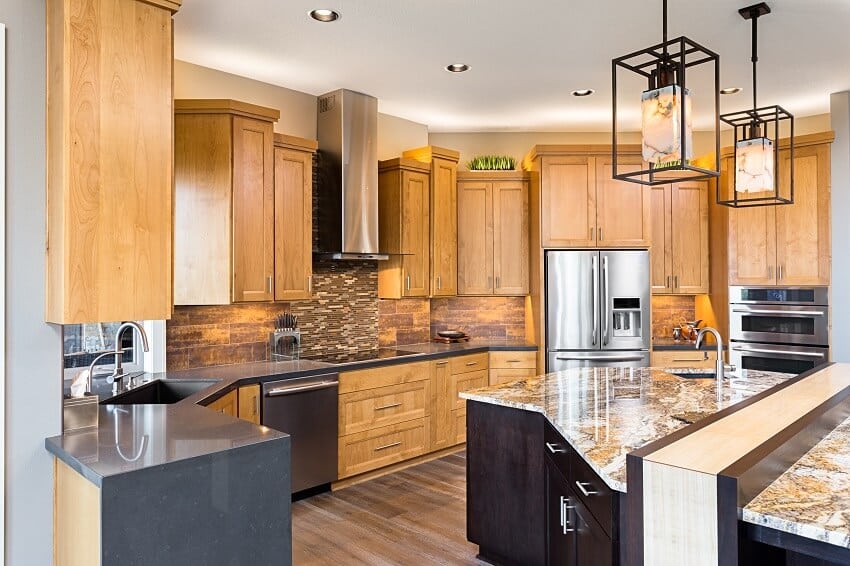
pixel 757 180
pixel 666 109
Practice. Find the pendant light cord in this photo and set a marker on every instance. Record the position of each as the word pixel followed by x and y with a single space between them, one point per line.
pixel 664 29
pixel 755 57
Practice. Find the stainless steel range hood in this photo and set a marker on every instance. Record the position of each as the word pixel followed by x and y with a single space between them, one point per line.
pixel 347 187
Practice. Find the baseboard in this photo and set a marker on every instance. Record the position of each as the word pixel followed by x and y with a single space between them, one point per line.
pixel 354 480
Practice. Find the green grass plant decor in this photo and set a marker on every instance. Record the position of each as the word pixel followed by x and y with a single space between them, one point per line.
pixel 492 163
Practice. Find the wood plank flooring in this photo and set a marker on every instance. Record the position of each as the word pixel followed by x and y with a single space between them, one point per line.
pixel 415 516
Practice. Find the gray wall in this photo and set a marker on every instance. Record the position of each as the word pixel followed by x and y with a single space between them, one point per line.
pixel 33 348
pixel 840 114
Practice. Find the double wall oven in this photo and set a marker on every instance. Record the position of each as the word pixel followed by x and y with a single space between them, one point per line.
pixel 779 329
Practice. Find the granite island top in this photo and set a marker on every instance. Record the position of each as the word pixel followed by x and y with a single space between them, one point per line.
pixel 812 498
pixel 605 413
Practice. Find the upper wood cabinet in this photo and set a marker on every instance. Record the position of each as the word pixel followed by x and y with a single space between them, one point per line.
pixel 443 217
pixel 403 228
pixel 493 233
pixel 109 173
pixel 582 205
pixel 786 244
pixel 224 207
pixel 293 217
pixel 679 252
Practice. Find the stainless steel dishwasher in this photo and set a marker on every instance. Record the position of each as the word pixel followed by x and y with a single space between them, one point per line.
pixel 306 409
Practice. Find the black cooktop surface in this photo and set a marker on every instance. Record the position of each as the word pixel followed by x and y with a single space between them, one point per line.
pixel 358 356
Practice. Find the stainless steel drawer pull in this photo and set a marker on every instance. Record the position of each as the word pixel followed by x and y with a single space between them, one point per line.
pixel 779 312
pixel 468 364
pixel 566 523
pixel 581 487
pixel 514 361
pixel 256 405
pixel 700 359
pixel 385 446
pixel 442 363
pixel 408 282
pixel 785 352
pixel 554 449
pixel 388 406
pixel 269 283
pixel 439 283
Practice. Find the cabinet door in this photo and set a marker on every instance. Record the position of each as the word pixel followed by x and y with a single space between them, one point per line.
pixel 561 531
pixel 253 210
pixel 249 403
pixel 443 228
pixel 568 202
pixel 752 239
pixel 803 228
pixel 474 238
pixel 442 421
pixel 593 545
pixel 689 237
pixel 226 405
pixel 622 208
pixel 415 230
pixel 661 259
pixel 293 224
pixel 510 238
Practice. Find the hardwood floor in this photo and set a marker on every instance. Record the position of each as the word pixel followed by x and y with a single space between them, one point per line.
pixel 415 516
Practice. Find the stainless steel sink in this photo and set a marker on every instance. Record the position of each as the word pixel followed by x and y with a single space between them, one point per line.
pixel 160 391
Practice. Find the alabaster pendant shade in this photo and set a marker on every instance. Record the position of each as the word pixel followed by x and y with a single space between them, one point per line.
pixel 754 166
pixel 661 126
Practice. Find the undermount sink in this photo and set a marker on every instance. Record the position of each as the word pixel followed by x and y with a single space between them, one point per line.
pixel 157 392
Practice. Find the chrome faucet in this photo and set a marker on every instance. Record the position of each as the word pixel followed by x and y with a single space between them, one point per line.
pixel 719 365
pixel 118 371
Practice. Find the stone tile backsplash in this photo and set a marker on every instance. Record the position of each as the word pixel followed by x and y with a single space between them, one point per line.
pixel 669 311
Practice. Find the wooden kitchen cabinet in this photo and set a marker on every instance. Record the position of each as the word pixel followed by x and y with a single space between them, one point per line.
pixel 443 426
pixel 293 217
pixel 224 205
pixel 228 404
pixel 404 228
pixel 786 244
pixel 683 358
pixel 109 172
pixel 443 217
pixel 493 233
pixel 622 208
pixel 510 366
pixel 568 201
pixel 249 403
pixel 679 252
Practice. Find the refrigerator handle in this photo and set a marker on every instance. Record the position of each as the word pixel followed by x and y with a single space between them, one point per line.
pixel 605 300
pixel 594 282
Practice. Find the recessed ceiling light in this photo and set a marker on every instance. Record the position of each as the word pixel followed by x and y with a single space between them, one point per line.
pixel 731 90
pixel 583 92
pixel 324 15
pixel 457 67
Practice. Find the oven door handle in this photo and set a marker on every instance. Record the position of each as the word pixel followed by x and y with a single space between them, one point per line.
pixel 301 388
pixel 785 352
pixel 778 312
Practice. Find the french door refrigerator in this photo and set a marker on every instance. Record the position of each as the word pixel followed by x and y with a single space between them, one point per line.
pixel 597 309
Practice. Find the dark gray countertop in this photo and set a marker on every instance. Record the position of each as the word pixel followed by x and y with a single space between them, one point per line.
pixel 135 437
pixel 662 344
pixel 184 429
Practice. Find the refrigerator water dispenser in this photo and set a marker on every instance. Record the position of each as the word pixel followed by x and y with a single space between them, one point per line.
pixel 627 317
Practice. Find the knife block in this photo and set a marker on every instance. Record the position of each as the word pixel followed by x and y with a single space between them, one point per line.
pixel 284 345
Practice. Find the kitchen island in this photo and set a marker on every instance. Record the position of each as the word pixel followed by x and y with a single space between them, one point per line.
pixel 580 423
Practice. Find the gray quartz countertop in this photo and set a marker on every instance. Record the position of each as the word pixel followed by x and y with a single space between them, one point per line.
pixel 605 413
pixel 134 437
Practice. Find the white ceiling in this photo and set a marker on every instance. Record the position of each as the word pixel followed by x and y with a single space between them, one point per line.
pixel 525 57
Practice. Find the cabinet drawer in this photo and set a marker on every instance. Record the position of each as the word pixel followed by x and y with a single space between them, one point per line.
pixel 373 449
pixel 557 449
pixel 592 491
pixel 373 408
pixel 683 359
pixel 459 420
pixel 499 376
pixel 473 362
pixel 513 360
pixel 363 379
pixel 464 382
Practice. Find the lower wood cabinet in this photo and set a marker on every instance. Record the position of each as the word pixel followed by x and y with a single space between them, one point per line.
pixel 683 358
pixel 227 404
pixel 249 403
pixel 510 366
pixel 382 406
pixel 382 446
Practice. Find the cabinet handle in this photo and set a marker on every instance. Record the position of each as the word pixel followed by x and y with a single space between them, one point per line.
pixel 470 364
pixel 566 523
pixel 600 234
pixel 310 284
pixel 439 283
pixel 675 281
pixel 554 449
pixel 388 406
pixel 669 282
pixel 780 273
pixel 498 282
pixel 408 282
pixel 591 232
pixel 256 405
pixel 580 485
pixel 269 283
pixel 385 446
pixel 514 361
pixel 442 363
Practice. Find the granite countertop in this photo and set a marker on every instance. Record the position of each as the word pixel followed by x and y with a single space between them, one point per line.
pixel 662 344
pixel 134 437
pixel 812 498
pixel 605 413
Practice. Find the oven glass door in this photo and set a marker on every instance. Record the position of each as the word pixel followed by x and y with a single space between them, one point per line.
pixel 782 324
pixel 770 357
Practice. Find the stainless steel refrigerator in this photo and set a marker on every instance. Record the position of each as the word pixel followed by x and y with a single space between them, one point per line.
pixel 597 309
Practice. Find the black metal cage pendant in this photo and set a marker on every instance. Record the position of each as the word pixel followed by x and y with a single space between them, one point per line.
pixel 664 75
pixel 761 178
